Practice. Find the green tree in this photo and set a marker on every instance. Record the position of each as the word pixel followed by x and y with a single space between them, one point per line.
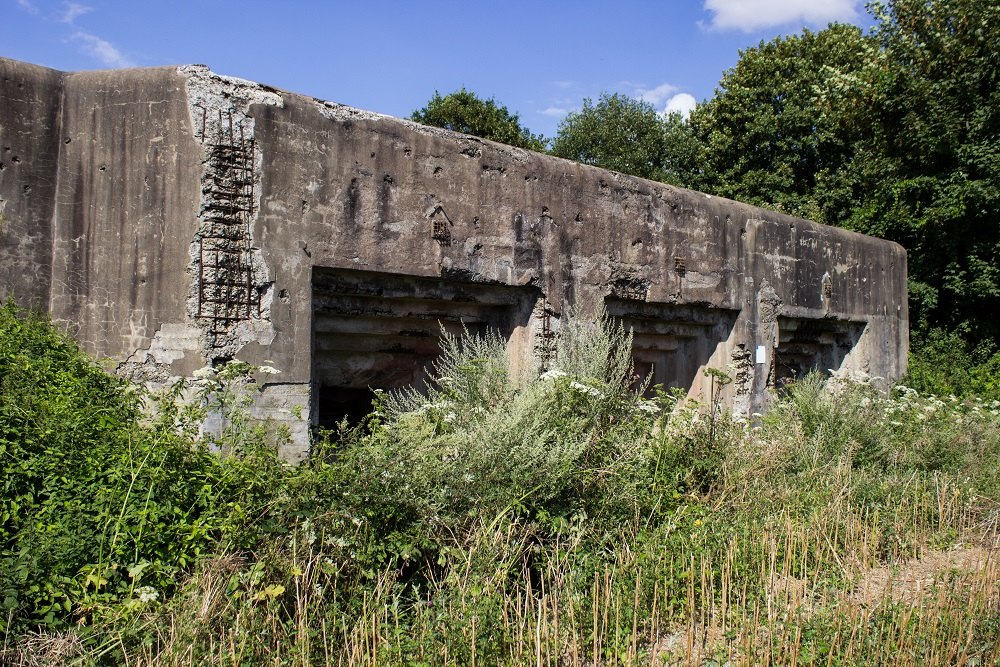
pixel 464 111
pixel 776 133
pixel 929 168
pixel 628 135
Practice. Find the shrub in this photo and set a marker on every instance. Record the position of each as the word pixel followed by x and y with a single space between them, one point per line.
pixel 99 505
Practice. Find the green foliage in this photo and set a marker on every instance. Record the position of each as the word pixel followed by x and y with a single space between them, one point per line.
pixel 775 133
pixel 947 364
pixel 930 163
pixel 551 514
pixel 628 135
pixel 99 505
pixel 464 111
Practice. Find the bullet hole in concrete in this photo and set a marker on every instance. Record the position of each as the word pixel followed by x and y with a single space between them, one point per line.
pixel 407 151
pixel 283 296
pixel 27 189
pixel 102 168
pixel 475 221
pixel 67 140
pixel 15 159
pixel 578 217
pixel 387 179
pixel 381 331
pixel 372 155
pixel 305 206
pixel 636 242
pixel 2 166
pixel 437 170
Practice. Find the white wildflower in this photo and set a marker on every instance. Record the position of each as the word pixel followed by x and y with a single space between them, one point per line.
pixel 147 594
pixel 648 406
pixel 584 389
pixel 552 374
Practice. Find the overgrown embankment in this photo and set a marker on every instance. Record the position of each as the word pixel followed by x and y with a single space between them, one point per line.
pixel 555 518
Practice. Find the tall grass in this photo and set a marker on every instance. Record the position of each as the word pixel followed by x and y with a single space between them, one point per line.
pixel 562 519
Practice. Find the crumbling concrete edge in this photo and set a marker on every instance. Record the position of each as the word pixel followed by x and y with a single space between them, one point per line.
pixel 231 285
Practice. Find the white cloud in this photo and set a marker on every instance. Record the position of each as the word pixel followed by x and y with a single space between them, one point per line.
pixel 682 103
pixel 750 15
pixel 72 11
pixel 656 96
pixel 102 49
pixel 555 112
pixel 27 6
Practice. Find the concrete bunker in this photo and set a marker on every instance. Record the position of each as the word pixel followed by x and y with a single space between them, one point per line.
pixel 375 330
pixel 242 221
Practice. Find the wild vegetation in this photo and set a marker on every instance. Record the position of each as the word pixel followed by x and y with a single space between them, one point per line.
pixel 552 518
pixel 892 133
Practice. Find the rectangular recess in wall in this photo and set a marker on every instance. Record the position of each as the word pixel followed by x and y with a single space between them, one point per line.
pixel 806 344
pixel 671 342
pixel 374 330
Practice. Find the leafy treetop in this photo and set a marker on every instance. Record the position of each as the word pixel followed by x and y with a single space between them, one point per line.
pixel 464 111
pixel 628 135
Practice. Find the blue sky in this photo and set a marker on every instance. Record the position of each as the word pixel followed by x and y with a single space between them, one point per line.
pixel 538 58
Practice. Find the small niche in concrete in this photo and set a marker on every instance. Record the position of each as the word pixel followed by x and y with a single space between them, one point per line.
pixel 671 342
pixel 808 344
pixel 382 331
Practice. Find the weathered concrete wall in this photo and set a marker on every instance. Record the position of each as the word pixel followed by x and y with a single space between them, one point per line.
pixel 172 217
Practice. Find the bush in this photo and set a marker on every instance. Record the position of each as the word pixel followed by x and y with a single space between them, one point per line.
pixel 944 363
pixel 99 506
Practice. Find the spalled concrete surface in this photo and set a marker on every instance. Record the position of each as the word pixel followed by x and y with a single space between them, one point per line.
pixel 171 217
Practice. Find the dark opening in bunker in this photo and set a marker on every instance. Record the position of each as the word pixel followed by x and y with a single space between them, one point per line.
pixel 376 330
pixel 671 342
pixel 805 345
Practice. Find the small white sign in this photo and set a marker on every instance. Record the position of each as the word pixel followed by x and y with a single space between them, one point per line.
pixel 761 354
